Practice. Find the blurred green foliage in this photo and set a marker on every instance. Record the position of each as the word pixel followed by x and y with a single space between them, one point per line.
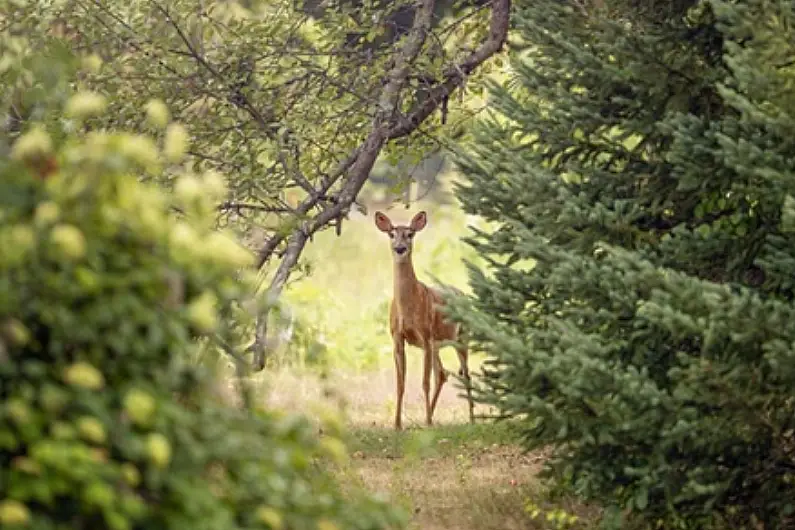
pixel 105 296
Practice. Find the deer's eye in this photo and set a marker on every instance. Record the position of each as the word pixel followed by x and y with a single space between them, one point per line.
pixel 391 235
pixel 410 235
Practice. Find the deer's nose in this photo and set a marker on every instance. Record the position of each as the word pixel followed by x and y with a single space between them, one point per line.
pixel 401 250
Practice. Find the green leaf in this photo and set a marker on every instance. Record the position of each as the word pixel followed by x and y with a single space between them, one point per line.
pixel 641 498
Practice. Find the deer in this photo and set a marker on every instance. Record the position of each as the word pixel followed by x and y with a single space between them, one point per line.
pixel 416 317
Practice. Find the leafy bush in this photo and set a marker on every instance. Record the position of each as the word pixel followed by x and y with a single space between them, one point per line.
pixel 103 292
pixel 642 159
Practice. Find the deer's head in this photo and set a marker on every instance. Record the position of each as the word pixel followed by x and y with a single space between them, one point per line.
pixel 401 236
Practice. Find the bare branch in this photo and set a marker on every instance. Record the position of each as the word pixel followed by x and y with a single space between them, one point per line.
pixel 230 205
pixel 455 76
pixel 326 182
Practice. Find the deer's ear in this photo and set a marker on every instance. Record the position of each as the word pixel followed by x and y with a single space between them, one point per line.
pixel 419 221
pixel 382 222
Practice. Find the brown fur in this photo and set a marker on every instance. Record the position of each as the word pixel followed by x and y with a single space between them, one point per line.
pixel 415 317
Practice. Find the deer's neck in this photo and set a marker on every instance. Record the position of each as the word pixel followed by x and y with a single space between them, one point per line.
pixel 407 287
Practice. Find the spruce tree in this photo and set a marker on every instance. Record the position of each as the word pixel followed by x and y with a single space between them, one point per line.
pixel 640 158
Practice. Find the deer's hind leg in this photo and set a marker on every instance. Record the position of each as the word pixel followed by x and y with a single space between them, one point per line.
pixel 463 359
pixel 427 361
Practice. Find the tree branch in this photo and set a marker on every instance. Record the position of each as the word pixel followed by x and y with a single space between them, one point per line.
pixel 231 205
pixel 382 131
pixel 359 170
pixel 307 204
pixel 455 76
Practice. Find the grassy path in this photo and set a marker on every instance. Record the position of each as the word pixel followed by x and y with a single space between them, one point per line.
pixel 453 476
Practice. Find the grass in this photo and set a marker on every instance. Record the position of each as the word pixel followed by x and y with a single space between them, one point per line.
pixel 454 476
pixel 459 477
pixel 441 441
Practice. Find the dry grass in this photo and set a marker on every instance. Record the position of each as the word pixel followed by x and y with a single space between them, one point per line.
pixel 368 398
pixel 454 492
pixel 458 477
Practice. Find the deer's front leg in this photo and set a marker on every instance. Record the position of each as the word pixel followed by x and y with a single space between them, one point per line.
pixel 426 378
pixel 399 350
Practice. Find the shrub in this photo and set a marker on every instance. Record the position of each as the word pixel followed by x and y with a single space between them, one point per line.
pixel 103 294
